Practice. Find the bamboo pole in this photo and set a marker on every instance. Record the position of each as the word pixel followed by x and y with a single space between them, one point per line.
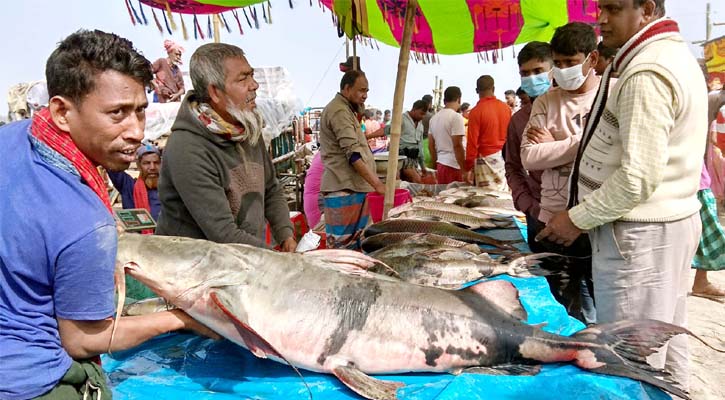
pixel 354 54
pixel 217 22
pixel 398 98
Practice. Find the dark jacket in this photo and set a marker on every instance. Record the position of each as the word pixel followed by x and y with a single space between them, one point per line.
pixel 216 189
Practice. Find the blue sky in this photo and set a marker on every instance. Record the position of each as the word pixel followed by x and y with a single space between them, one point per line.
pixel 302 39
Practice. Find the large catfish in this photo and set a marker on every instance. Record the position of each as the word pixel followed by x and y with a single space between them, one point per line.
pixel 324 312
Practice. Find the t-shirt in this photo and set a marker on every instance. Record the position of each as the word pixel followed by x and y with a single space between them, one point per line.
pixel 445 124
pixel 487 125
pixel 57 257
pixel 125 183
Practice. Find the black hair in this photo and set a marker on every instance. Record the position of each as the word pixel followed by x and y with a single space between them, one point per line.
pixel 659 5
pixel 349 78
pixel 452 93
pixel 483 83
pixel 606 52
pixel 72 68
pixel 427 98
pixel 520 91
pixel 464 107
pixel 418 105
pixel 573 38
pixel 535 51
pixel 509 92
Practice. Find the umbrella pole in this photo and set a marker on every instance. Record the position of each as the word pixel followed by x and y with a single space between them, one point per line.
pixel 217 22
pixel 398 98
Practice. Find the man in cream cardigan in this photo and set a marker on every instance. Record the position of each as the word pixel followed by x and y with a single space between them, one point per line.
pixel 636 174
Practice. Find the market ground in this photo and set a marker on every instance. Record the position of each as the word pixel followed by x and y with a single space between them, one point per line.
pixel 707 320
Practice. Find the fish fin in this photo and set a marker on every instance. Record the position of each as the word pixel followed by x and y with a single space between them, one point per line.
pixel 259 346
pixel 119 282
pixel 501 293
pixel 254 342
pixel 365 385
pixel 621 348
pixel 505 369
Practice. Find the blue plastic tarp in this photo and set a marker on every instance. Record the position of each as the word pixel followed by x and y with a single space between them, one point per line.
pixel 179 366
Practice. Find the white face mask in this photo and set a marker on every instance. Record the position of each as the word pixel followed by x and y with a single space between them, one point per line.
pixel 571 78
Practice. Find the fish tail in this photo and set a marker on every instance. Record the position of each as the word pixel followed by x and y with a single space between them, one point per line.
pixel 621 348
pixel 525 266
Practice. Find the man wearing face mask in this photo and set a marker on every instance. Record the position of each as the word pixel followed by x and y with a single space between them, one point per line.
pixel 550 142
pixel 217 180
pixel 535 64
pixel 637 173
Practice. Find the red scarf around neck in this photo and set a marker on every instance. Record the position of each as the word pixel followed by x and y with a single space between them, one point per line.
pixel 141 199
pixel 46 131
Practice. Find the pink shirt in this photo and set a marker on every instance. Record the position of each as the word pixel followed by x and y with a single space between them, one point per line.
pixel 312 190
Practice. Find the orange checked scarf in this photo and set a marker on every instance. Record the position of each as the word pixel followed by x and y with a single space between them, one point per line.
pixel 46 131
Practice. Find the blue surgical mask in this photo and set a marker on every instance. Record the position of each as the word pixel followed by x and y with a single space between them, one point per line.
pixel 536 85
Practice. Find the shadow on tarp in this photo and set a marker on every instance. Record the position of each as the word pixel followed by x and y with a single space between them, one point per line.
pixel 183 366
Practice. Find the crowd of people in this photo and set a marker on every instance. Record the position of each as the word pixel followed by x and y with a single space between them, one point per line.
pixel 609 153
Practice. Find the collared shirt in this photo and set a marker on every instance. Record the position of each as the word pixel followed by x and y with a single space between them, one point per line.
pixel 411 134
pixel 340 138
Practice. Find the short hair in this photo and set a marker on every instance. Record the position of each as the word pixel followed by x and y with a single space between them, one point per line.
pixel 417 105
pixel 452 93
pixel 509 93
pixel 427 98
pixel 206 67
pixel 484 82
pixel 573 38
pixel 520 91
pixel 659 5
pixel 72 68
pixel 387 111
pixel 464 107
pixel 606 52
pixel 535 51
pixel 369 113
pixel 349 78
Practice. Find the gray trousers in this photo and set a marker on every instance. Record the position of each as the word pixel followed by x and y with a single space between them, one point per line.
pixel 642 271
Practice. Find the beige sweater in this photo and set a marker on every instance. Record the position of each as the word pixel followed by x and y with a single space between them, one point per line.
pixel 645 157
pixel 564 115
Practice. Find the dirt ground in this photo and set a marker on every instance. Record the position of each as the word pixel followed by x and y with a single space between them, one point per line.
pixel 707 320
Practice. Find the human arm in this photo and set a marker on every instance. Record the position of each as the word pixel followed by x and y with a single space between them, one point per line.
pixel 460 152
pixel 646 114
pixel 85 339
pixel 472 138
pixel 370 177
pixel 276 210
pixel 538 150
pixel 432 150
pixel 516 176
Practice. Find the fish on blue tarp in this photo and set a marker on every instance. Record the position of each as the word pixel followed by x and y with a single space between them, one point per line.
pixel 324 311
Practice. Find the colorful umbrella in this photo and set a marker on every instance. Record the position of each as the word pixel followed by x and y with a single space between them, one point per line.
pixel 460 26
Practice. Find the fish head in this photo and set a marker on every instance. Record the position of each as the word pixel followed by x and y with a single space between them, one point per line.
pixel 176 268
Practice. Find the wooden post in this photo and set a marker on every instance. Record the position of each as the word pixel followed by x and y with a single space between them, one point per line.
pixel 216 22
pixel 398 98
pixel 355 67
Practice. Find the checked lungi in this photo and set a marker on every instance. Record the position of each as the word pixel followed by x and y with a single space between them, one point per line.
pixel 710 254
pixel 346 216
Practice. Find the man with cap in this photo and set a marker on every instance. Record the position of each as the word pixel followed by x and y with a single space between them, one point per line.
pixel 169 82
pixel 141 192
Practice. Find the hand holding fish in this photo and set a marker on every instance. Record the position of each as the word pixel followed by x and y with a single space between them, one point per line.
pixel 288 245
pixel 539 135
pixel 193 325
pixel 560 230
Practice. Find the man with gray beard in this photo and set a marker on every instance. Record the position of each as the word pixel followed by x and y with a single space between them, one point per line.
pixel 217 181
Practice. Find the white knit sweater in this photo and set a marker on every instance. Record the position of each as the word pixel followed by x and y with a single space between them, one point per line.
pixel 645 157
